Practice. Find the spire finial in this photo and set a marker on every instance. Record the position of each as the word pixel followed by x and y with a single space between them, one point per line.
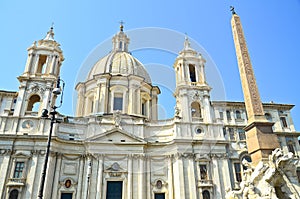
pixel 121 25
pixel 232 10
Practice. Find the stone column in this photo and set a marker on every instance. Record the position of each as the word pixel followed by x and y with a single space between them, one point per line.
pixel 131 99
pixel 28 63
pixel 207 107
pixel 97 98
pixel 52 66
pixel 80 100
pixel 203 77
pixel 103 97
pixel 125 102
pixel 36 63
pixel 138 101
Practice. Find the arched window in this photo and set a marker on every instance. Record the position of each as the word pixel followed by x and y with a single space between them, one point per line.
pixel 34 103
pixel 206 194
pixel 196 110
pixel 192 73
pixel 14 194
pixel 41 65
pixel 238 114
pixel 268 116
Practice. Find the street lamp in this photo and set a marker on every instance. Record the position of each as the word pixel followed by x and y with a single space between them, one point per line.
pixel 56 91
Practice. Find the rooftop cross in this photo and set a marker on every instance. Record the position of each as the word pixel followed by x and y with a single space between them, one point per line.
pixel 121 25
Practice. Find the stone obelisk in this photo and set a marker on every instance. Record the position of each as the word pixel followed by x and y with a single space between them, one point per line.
pixel 261 140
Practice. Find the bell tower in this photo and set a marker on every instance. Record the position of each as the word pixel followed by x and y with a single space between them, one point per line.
pixel 41 72
pixel 192 91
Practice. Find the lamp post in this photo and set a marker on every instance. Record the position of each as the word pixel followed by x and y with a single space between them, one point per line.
pixel 56 91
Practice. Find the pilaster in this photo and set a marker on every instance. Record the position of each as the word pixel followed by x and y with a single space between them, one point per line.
pixel 178 177
pixel 99 188
pixel 129 177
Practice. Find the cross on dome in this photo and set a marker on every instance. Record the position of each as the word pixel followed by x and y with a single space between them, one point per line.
pixel 121 25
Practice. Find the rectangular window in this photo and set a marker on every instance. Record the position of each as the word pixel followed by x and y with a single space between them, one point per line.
pixel 231 133
pixel 192 73
pixel 242 135
pixel 237 169
pixel 224 131
pixel 283 122
pixel 92 106
pixel 114 190
pixel 221 116
pixel 118 103
pixel 203 172
pixel 238 114
pixel 298 174
pixel 290 146
pixel 18 173
pixel 159 196
pixel 66 195
pixel 144 108
pixel 228 115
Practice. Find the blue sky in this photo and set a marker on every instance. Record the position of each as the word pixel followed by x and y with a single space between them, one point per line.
pixel 272 30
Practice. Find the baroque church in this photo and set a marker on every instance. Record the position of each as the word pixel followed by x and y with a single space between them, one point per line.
pixel 115 147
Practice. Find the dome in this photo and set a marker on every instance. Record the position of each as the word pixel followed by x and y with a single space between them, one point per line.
pixel 119 61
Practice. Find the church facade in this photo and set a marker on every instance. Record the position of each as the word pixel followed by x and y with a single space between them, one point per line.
pixel 115 147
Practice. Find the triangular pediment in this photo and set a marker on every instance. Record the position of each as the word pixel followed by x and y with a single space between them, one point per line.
pixel 116 135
